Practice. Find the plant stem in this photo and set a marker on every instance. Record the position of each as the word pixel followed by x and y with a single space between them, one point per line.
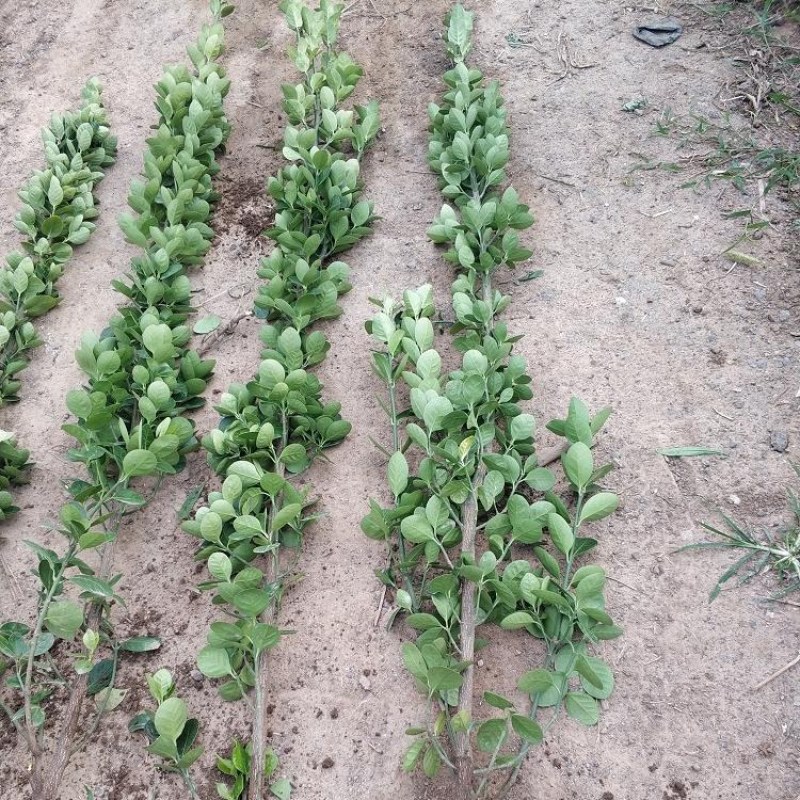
pixel 30 729
pixel 462 744
pixel 47 774
pixel 255 788
pixel 469 517
pixel 190 784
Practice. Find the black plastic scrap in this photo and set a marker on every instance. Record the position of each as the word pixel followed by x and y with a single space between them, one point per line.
pixel 658 32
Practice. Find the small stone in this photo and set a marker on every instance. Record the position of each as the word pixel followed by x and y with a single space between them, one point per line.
pixel 779 441
pixel 734 499
pixel 327 762
pixel 620 301
pixel 196 676
pixel 697 309
pixel 365 683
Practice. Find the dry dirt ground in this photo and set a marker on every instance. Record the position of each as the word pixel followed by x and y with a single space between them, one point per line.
pixel 636 308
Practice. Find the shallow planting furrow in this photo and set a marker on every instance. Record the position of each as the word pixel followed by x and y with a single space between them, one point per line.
pixel 274 427
pixel 141 378
pixel 479 535
pixel 58 206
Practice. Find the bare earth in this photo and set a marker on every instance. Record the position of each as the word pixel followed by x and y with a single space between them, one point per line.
pixel 636 309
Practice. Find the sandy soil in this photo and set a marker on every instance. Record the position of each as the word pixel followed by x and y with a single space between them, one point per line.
pixel 635 309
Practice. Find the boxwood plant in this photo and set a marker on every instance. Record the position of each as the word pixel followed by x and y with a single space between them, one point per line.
pixel 129 424
pixel 58 206
pixel 478 535
pixel 274 427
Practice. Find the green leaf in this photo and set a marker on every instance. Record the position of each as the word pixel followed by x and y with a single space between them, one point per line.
pixel 206 324
pixel 79 403
pixel 422 622
pixel 220 567
pixel 158 340
pixel 140 644
pixel 561 532
pixel 443 679
pixel 398 473
pixel 497 701
pixel 170 717
pixel 286 515
pixel 55 194
pixel 293 455
pixel 599 506
pixel 578 465
pixel 523 426
pixel 214 662
pixel 540 479
pixel 412 755
pixel 536 681
pixel 414 662
pixel 100 677
pixel 584 669
pixel 431 762
pixel 527 729
pixel 64 619
pixel 109 698
pixel 689 452
pixel 491 735
pixel 281 789
pixel 264 637
pixel 605 677
pixel 416 529
pixel 516 620
pixel 165 748
pixel 138 463
pixel 582 708
pixel 251 602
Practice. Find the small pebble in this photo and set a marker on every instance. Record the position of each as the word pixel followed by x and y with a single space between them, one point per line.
pixel 327 762
pixel 779 441
pixel 196 676
pixel 734 499
pixel 364 682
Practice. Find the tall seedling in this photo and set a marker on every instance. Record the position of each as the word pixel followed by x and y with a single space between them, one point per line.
pixel 274 427
pixel 477 534
pixel 58 206
pixel 141 378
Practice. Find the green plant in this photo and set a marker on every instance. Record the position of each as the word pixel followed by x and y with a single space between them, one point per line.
pixel 275 426
pixel 170 730
pixel 14 471
pixel 58 206
pixel 762 553
pixel 238 766
pixel 141 378
pixel 477 535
